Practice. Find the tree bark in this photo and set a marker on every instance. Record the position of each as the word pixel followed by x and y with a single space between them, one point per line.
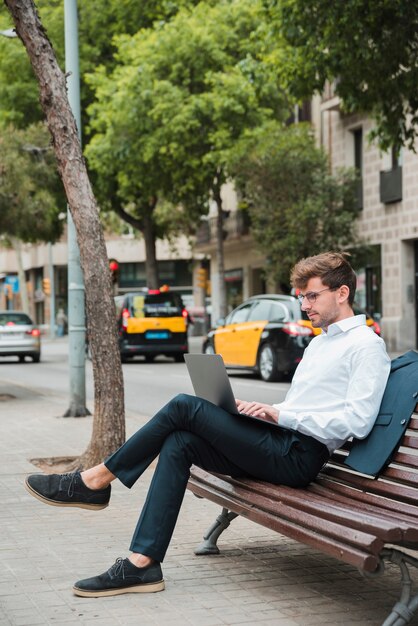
pixel 109 421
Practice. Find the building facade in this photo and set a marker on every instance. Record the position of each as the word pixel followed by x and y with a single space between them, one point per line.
pixel 388 198
pixel 32 264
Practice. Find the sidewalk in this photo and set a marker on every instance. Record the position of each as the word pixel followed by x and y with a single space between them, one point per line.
pixel 259 578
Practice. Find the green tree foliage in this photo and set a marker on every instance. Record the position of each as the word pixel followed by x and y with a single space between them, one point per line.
pixel 369 48
pixel 99 22
pixel 296 206
pixel 180 96
pixel 31 195
pixel 18 88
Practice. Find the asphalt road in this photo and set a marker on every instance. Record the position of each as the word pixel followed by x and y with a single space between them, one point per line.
pixel 147 385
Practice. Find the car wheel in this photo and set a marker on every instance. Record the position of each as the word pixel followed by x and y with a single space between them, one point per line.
pixel 35 358
pixel 124 358
pixel 22 358
pixel 208 349
pixel 149 358
pixel 267 363
pixel 179 358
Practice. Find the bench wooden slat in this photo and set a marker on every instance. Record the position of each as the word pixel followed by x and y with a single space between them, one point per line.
pixel 403 458
pixel 306 500
pixel 413 424
pixel 244 491
pixel 379 487
pixel 400 475
pixel 386 504
pixel 333 547
pixel 410 441
pixel 368 502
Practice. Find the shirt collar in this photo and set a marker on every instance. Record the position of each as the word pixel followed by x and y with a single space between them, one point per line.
pixel 346 324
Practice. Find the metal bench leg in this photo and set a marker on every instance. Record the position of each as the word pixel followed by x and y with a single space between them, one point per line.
pixel 404 609
pixel 208 545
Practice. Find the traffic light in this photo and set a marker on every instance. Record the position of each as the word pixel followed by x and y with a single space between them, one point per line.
pixel 202 277
pixel 114 270
pixel 46 286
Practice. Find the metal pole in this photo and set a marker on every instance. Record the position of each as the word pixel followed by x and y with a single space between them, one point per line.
pixel 52 296
pixel 76 311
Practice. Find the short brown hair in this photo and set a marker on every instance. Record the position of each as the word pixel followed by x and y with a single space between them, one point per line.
pixel 332 268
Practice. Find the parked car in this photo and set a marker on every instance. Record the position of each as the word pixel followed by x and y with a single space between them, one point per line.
pixel 19 336
pixel 267 334
pixel 152 323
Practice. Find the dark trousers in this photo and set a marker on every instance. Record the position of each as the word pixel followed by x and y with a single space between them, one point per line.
pixel 189 430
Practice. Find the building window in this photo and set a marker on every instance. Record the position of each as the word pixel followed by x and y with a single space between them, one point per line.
pixel 234 287
pixel 173 273
pixel 369 281
pixel 391 178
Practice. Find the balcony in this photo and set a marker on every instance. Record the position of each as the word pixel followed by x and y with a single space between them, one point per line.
pixel 235 226
pixel 391 186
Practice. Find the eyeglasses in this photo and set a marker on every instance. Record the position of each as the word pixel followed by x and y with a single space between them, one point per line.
pixel 311 296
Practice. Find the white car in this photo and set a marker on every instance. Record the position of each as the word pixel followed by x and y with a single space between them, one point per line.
pixel 19 336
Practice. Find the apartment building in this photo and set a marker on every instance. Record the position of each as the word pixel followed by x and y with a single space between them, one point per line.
pixel 388 198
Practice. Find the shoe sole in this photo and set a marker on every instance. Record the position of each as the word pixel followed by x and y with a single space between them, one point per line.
pixel 80 505
pixel 145 588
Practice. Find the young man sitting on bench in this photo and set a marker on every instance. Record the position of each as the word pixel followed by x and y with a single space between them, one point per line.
pixel 335 394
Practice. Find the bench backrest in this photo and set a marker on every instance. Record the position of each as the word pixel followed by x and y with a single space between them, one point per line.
pixel 372 454
pixel 395 488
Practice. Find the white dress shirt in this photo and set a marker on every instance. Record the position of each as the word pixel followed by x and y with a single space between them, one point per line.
pixel 338 386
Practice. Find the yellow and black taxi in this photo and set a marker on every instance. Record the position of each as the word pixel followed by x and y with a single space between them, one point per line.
pixel 267 334
pixel 152 322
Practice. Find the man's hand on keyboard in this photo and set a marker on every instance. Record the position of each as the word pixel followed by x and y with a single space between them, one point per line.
pixel 258 409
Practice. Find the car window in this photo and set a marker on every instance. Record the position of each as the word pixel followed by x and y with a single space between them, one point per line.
pixel 12 318
pixel 157 305
pixel 240 314
pixel 278 312
pixel 260 311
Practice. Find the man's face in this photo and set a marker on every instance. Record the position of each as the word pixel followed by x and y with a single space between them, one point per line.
pixel 328 307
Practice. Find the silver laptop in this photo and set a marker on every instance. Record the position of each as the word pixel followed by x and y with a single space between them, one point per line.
pixel 210 381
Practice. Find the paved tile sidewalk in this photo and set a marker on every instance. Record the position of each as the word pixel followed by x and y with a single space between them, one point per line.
pixel 260 577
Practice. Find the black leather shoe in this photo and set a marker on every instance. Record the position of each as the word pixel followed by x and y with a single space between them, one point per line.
pixel 122 577
pixel 67 490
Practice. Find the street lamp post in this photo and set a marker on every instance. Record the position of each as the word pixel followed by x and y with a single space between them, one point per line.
pixel 76 306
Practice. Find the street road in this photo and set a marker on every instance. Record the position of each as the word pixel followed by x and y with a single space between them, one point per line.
pixel 147 385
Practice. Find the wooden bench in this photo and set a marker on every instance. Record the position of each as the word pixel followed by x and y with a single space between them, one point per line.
pixel 355 518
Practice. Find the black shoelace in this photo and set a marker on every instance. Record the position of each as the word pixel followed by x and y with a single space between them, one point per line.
pixel 73 480
pixel 118 568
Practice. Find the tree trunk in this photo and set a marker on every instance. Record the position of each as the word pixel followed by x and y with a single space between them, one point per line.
pixel 108 423
pixel 151 266
pixel 220 257
pixel 147 227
